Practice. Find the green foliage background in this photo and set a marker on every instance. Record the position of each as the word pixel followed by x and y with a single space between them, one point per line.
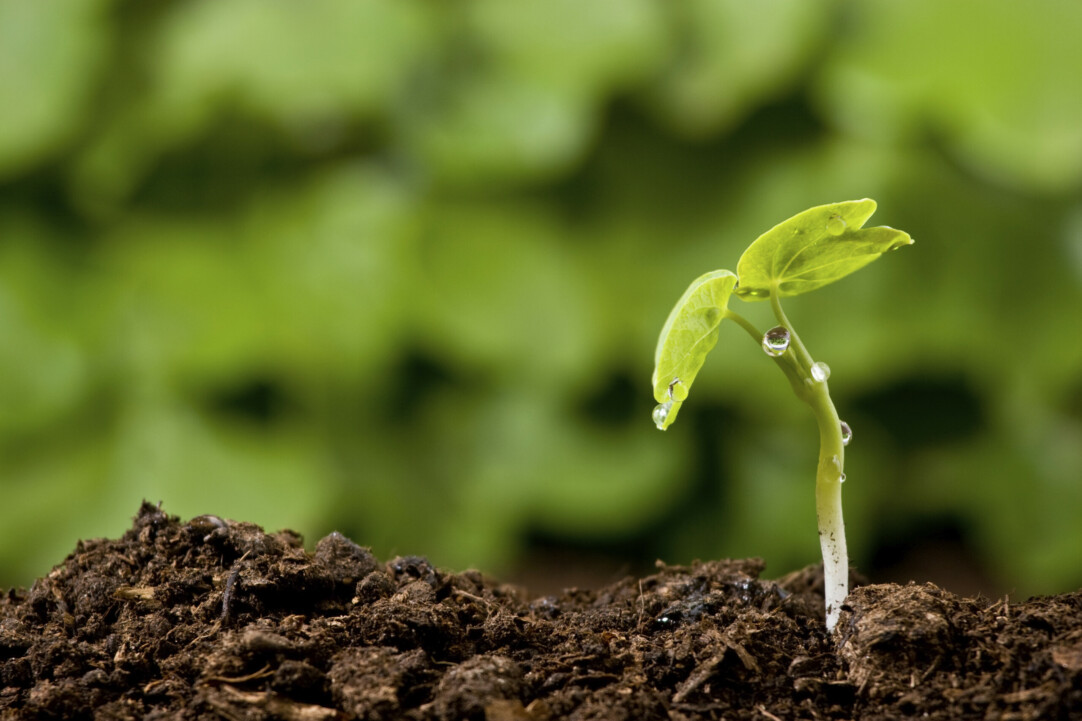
pixel 397 267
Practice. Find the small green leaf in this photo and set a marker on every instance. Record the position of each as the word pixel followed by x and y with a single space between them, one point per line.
pixel 688 335
pixel 814 248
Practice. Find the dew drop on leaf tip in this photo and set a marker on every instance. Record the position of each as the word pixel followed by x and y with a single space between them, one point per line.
pixel 820 371
pixel 836 225
pixel 661 412
pixel 847 433
pixel 776 341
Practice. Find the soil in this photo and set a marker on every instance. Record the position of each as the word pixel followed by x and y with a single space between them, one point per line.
pixel 213 619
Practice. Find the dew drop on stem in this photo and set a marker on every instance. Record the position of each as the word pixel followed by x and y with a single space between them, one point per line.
pixel 776 341
pixel 836 225
pixel 847 433
pixel 820 372
pixel 661 412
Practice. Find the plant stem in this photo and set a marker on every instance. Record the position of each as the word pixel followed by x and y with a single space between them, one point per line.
pixel 745 324
pixel 830 471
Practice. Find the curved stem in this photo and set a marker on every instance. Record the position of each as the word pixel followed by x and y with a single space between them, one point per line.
pixel 746 324
pixel 786 361
pixel 797 345
pixel 829 473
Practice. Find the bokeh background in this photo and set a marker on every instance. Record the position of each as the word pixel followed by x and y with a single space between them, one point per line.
pixel 397 268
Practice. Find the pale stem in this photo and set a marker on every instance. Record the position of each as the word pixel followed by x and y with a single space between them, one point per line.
pixel 830 471
pixel 745 324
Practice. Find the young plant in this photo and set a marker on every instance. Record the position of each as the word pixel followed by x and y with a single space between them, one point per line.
pixel 812 249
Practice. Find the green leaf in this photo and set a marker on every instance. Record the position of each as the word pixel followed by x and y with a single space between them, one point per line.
pixel 688 335
pixel 814 248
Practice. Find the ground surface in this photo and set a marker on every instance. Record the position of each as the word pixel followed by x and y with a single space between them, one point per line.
pixel 218 620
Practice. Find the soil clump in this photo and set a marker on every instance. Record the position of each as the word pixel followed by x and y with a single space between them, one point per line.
pixel 214 619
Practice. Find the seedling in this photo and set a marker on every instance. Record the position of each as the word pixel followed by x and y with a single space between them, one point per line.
pixel 812 249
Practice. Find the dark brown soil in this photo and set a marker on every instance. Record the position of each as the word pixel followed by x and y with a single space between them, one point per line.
pixel 219 620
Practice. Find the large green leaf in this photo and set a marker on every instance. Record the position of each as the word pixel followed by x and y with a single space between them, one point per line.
pixel 688 335
pixel 814 248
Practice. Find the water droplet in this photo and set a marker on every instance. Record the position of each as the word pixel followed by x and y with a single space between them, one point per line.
pixel 752 292
pixel 841 478
pixel 677 390
pixel 776 341
pixel 820 371
pixel 836 225
pixel 660 414
pixel 899 244
pixel 847 433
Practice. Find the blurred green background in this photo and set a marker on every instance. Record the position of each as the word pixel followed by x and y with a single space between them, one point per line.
pixel 397 268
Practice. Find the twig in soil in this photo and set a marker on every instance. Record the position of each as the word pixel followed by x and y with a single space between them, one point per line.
pixel 642 604
pixel 693 682
pixel 274 704
pixel 466 594
pixel 928 671
pixel 230 584
pixel 707 669
pixel 213 629
pixel 134 593
pixel 766 713
pixel 254 676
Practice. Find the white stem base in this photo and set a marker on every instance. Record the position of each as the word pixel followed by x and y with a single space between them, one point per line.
pixel 835 554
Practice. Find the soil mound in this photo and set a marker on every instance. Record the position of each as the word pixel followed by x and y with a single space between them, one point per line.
pixel 213 619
